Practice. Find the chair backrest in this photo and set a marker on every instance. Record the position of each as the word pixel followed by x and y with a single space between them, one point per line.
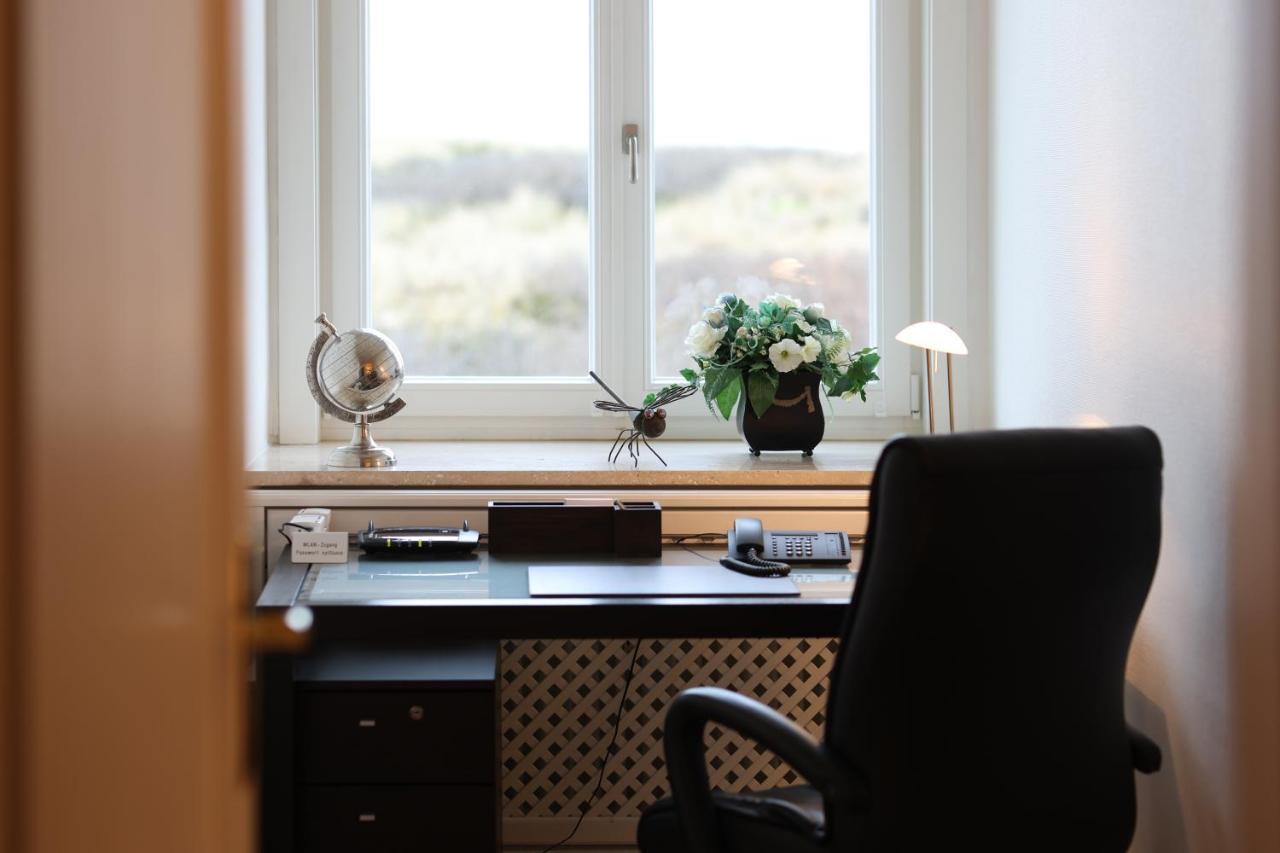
pixel 979 686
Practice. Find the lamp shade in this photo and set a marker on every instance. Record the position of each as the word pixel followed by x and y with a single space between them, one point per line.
pixel 932 335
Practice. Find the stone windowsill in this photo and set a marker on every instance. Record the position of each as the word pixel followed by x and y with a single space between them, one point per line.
pixel 570 464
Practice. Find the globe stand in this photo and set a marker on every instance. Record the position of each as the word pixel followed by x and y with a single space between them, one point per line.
pixel 363 451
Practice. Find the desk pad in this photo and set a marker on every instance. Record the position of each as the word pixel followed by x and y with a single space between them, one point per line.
pixel 701 581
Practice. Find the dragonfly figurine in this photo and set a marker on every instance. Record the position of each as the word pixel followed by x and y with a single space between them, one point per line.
pixel 647 421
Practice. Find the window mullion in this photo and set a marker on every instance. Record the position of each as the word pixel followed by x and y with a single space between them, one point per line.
pixel 344 134
pixel 296 208
pixel 618 280
pixel 636 200
pixel 891 258
pixel 607 313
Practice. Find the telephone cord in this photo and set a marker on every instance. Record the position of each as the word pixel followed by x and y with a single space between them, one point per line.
pixel 756 566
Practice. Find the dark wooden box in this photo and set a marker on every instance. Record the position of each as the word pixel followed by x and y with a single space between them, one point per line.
pixel 550 527
pixel 637 529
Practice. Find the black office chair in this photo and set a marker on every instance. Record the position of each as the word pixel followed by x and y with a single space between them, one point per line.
pixel 976 703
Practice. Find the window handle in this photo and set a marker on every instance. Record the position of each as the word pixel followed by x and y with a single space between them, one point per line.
pixel 631 145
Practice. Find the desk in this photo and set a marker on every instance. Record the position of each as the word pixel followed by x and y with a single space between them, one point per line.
pixel 487 598
pixel 406 604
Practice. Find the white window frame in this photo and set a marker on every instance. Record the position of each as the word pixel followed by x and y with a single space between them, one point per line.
pixel 320 205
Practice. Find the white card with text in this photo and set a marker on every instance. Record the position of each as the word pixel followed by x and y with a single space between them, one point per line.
pixel 311 547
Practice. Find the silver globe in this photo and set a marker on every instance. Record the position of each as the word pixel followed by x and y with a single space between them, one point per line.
pixel 361 371
pixel 354 376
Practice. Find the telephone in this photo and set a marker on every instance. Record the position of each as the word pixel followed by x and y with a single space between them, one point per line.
pixel 755 551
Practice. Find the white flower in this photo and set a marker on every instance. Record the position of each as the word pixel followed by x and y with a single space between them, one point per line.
pixel 785 356
pixel 783 301
pixel 713 317
pixel 804 326
pixel 848 395
pixel 703 341
pixel 811 350
pixel 813 312
pixel 741 333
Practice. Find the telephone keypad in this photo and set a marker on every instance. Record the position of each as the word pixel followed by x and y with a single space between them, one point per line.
pixel 807 547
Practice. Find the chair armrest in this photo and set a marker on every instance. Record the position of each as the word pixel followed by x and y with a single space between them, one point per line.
pixel 1146 754
pixel 687 717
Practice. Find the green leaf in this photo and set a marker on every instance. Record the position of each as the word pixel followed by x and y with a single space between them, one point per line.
pixel 844 383
pixel 829 375
pixel 860 372
pixel 714 382
pixel 689 375
pixel 717 379
pixel 762 387
pixel 648 398
pixel 727 398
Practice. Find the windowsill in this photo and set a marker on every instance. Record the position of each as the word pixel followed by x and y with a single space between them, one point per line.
pixel 570 464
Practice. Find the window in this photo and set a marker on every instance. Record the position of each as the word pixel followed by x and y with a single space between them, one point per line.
pixel 479 238
pixel 477 203
pixel 760 167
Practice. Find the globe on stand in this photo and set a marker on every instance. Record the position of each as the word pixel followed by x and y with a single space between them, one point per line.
pixel 354 376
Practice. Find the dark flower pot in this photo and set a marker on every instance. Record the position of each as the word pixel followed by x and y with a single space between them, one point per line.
pixel 795 420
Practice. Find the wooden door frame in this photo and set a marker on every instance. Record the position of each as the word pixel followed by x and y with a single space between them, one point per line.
pixel 59 104
pixel 10 353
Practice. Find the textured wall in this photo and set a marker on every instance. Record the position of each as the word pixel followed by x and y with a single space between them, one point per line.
pixel 1134 280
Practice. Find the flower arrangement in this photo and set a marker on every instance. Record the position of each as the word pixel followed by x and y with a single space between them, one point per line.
pixel 735 343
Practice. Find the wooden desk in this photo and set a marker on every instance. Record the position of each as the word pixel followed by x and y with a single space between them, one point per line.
pixel 412 607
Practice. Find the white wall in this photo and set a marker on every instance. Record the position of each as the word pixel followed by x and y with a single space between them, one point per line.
pixel 255 257
pixel 1133 162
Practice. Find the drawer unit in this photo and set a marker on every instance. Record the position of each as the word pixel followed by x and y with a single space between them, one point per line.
pixel 396 737
pixel 393 750
pixel 397 819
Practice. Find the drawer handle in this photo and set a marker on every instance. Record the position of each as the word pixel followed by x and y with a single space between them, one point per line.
pixel 368 818
pixel 368 724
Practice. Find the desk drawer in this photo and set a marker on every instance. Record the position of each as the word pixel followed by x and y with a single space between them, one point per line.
pixel 407 819
pixel 389 737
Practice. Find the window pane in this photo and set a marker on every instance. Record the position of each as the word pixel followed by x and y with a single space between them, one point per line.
pixel 761 129
pixel 478 142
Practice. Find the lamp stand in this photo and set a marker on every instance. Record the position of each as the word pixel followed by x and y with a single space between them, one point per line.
pixel 928 373
pixel 951 400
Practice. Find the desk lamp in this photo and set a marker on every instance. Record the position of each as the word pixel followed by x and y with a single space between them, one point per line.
pixel 932 337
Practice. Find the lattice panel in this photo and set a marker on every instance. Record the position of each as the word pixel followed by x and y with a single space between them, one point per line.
pixel 559 700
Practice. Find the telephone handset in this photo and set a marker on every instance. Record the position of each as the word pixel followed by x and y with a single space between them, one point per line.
pixel 755 551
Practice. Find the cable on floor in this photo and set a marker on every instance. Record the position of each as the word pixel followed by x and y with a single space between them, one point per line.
pixel 608 753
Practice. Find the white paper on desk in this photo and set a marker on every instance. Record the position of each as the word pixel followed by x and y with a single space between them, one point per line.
pixel 310 547
pixel 658 581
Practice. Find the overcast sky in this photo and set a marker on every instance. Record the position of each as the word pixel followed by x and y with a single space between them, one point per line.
pixel 775 73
